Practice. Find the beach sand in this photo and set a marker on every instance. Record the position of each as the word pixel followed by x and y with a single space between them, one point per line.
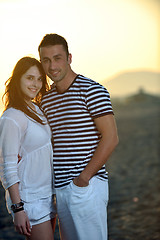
pixel 134 175
pixel 134 171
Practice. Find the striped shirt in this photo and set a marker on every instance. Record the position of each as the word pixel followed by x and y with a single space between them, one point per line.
pixel 71 117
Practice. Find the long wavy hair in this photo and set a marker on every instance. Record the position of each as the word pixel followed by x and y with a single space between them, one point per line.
pixel 14 97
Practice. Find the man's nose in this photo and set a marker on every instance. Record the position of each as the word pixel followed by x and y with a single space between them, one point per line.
pixel 52 64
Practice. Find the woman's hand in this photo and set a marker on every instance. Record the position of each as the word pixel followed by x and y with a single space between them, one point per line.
pixel 22 223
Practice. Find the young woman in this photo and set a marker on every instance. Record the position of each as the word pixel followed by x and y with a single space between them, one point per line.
pixel 24 132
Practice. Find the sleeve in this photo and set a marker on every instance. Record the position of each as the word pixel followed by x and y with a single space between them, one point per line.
pixel 9 148
pixel 98 101
pixel 41 107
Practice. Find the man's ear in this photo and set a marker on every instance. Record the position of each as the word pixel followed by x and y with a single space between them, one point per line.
pixel 69 58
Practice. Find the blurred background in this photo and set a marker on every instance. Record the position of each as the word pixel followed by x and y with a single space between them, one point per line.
pixel 116 43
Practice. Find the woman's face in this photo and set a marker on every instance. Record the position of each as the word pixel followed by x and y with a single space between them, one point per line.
pixel 31 83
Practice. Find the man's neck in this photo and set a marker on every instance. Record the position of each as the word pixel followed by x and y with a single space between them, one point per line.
pixel 63 85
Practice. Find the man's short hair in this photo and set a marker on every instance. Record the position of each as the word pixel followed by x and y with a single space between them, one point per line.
pixel 54 39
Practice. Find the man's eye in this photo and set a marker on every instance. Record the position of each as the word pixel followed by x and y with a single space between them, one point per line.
pixel 40 79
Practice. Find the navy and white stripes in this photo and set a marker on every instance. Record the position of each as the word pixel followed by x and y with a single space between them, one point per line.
pixel 71 117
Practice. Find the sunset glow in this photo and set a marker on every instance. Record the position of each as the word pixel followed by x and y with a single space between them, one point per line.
pixel 105 37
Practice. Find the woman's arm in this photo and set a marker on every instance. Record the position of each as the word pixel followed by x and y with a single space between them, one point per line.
pixel 21 220
pixel 10 140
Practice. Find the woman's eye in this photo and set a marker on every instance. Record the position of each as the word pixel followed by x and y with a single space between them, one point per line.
pixel 30 77
pixel 45 61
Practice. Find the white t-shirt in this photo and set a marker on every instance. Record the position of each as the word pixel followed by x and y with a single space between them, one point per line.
pixel 21 135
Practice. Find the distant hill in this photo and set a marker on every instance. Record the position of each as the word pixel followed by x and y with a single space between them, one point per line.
pixel 142 97
pixel 128 83
pixel 136 105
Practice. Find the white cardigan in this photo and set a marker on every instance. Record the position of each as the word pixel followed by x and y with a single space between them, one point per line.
pixel 21 135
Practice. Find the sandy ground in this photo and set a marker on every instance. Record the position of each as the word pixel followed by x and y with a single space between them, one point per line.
pixel 134 176
pixel 134 207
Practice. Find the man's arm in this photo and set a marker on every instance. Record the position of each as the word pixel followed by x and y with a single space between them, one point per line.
pixel 107 127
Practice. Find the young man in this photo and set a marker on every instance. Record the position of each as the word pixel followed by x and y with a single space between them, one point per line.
pixel 80 115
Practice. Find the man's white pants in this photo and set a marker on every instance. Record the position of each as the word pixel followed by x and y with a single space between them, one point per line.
pixel 82 211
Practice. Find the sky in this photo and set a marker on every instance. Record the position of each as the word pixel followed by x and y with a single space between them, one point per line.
pixel 105 37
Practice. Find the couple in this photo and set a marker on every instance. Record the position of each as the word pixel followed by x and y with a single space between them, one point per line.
pixel 83 135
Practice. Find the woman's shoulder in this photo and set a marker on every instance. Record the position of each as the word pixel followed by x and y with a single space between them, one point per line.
pixel 12 113
pixel 15 115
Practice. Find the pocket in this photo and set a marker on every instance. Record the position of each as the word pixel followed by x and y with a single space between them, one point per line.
pixel 82 194
pixel 81 197
pixel 79 189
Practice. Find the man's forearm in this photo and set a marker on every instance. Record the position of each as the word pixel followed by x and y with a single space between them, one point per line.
pixel 99 158
pixel 107 144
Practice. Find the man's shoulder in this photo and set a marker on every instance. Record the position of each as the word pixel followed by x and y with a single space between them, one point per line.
pixel 88 82
pixel 48 94
pixel 82 78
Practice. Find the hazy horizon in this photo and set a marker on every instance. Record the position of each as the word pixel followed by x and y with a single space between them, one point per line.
pixel 112 84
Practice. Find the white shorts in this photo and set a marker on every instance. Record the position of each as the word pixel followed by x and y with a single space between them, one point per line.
pixel 38 211
pixel 82 211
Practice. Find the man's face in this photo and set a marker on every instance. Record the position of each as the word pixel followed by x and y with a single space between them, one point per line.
pixel 55 62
